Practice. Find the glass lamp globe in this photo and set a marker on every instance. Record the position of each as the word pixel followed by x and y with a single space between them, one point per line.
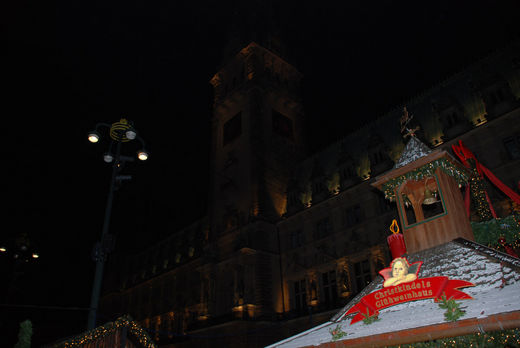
pixel 131 134
pixel 142 155
pixel 107 157
pixel 93 137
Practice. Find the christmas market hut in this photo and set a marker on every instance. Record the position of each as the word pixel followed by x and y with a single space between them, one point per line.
pixel 445 285
pixel 121 333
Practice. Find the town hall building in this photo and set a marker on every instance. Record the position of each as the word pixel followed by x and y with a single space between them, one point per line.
pixel 289 238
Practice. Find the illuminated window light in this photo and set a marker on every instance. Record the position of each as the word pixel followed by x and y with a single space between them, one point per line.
pixel 238 308
pixel 437 142
pixel 479 122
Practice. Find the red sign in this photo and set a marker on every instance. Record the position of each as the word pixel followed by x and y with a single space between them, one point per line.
pixel 407 288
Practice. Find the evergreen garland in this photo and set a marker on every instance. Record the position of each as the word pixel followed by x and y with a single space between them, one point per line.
pixel 368 319
pixel 489 232
pixel 337 333
pixel 453 311
pixel 459 174
pixel 24 335
pixel 478 194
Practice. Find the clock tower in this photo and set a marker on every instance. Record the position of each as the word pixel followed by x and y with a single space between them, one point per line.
pixel 257 132
pixel 257 137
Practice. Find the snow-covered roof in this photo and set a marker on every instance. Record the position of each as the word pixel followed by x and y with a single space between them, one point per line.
pixel 497 290
pixel 413 150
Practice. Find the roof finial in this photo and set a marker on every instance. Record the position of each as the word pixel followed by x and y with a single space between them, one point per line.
pixel 405 119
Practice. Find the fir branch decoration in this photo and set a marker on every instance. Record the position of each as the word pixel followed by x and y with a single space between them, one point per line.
pixel 368 319
pixel 453 311
pixel 24 335
pixel 478 194
pixel 489 232
pixel 337 333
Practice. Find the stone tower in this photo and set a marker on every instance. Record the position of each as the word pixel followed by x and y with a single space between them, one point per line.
pixel 257 136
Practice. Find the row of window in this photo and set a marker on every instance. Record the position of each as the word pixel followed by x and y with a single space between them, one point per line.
pixel 149 299
pixel 352 216
pixel 323 291
pixel 281 125
pixel 149 269
pixel 329 286
pixel 297 201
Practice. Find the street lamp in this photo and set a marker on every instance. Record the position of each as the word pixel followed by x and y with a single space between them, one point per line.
pixel 18 253
pixel 119 132
pixel 93 137
pixel 21 249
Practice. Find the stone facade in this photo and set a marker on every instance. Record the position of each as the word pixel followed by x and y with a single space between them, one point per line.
pixel 288 239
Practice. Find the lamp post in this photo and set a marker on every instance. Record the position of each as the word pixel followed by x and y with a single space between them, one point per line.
pixel 119 132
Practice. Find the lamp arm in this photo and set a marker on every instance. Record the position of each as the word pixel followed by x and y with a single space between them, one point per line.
pixel 102 124
pixel 141 141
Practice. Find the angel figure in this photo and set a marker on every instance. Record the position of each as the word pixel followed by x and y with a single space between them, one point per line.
pixel 400 271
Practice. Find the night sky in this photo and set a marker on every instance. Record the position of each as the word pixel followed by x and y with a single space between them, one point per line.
pixel 68 65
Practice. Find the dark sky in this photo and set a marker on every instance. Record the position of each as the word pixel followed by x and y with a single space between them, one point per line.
pixel 69 64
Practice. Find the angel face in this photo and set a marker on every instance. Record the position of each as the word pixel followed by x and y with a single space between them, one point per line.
pixel 399 270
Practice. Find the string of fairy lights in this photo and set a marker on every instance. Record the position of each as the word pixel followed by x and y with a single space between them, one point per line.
pixel 107 329
pixel 142 334
pixel 478 194
pixel 428 170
